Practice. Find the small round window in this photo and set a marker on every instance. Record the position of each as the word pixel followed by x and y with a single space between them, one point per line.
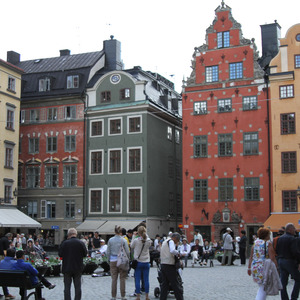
pixel 298 37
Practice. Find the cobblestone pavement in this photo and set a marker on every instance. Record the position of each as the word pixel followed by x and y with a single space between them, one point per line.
pixel 216 283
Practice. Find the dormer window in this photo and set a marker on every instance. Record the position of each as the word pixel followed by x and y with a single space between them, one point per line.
pixel 125 94
pixel 73 82
pixel 105 96
pixel 44 85
pixel 223 39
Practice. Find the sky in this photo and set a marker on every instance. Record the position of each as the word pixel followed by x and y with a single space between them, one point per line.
pixel 158 35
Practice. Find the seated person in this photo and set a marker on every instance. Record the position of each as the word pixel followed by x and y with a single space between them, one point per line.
pixel 38 249
pixel 207 251
pixel 6 264
pixel 196 252
pixel 30 251
pixel 33 273
pixel 184 250
pixel 102 250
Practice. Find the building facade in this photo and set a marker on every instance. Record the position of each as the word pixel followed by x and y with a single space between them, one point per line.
pixel 284 116
pixel 225 134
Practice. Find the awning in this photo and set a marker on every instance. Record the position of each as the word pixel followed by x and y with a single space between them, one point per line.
pixel 12 217
pixel 109 226
pixel 90 225
pixel 276 221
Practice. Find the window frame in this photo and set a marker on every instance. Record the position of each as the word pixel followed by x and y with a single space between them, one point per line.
pixel 297 61
pixel 169 133
pixel 70 112
pixel 33 144
pixel 212 73
pixel 250 103
pixel 110 127
pixel 109 203
pixel 125 94
pixel 138 188
pixel 70 206
pixel 48 212
pixel 285 92
pixel 105 96
pixel 50 176
pixel 287 126
pixel 236 70
pixel 8 192
pixel 224 105
pixel 199 144
pixel 44 84
pixel 228 144
pixel 10 118
pixel 250 184
pixel 70 143
pixel 288 164
pixel 129 160
pixel 252 142
pixel 70 175
pixel 200 190
pixel 11 84
pixel 32 209
pixel 92 135
pixel 34 115
pixel 52 114
pixel 114 161
pixel 34 178
pixel 73 81
pixel 222 40
pixel 51 144
pixel 9 155
pixel 137 125
pixel 289 195
pixel 201 110
pixel 91 199
pixel 101 162
pixel 228 189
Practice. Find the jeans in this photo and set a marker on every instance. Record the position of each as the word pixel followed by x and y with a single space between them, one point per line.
pixel 243 255
pixel 76 277
pixel 170 276
pixel 286 267
pixel 114 272
pixel 142 268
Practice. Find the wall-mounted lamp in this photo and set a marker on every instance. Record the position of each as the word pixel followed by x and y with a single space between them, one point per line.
pixel 186 127
pixel 201 59
pixel 238 169
pixel 211 95
pixel 186 173
pixel 237 91
pixel 186 218
pixel 245 52
pixel 213 123
pixel 223 57
pixel 15 192
pixel 236 121
pixel 213 170
pixel 185 97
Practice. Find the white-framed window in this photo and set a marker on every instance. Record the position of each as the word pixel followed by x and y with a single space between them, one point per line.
pixel 97 160
pixel 51 176
pixel 134 160
pixel 9 155
pixel 200 108
pixel 32 177
pixel 115 161
pixel 70 175
pixel 48 209
pixel 10 117
pixel 52 114
pixel 11 84
pixel 69 209
pixel 97 128
pixel 286 91
pixel 32 209
pixel 177 136
pixel 8 194
pixel 22 116
pixel 70 112
pixel 44 84
pixel 73 82
pixel 134 124
pixel 125 94
pixel 96 201
pixel 114 200
pixel 51 144
pixel 212 74
pixel 115 126
pixel 223 39
pixel 33 145
pixel 34 115
pixel 134 200
pixel 70 143
pixel 169 133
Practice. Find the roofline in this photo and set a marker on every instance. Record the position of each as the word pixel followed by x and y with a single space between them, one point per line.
pixel 11 66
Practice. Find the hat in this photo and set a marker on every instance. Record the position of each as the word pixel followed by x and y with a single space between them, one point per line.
pixel 228 229
pixel 102 241
pixel 184 239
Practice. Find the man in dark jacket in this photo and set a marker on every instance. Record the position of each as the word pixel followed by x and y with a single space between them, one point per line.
pixel 72 252
pixel 288 261
pixel 242 247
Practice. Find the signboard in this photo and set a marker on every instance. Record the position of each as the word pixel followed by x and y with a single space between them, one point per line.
pixel 186 226
pixel 55 227
pixel 180 225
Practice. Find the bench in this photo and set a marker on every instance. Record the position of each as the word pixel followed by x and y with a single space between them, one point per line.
pixel 19 279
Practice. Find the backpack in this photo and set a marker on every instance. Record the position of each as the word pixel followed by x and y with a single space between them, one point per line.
pixel 122 261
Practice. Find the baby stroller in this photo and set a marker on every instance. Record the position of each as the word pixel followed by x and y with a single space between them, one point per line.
pixel 159 277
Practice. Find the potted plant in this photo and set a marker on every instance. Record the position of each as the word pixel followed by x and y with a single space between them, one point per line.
pixel 90 264
pixel 54 264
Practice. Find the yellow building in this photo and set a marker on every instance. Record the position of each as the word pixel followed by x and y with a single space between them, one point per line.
pixel 285 129
pixel 10 92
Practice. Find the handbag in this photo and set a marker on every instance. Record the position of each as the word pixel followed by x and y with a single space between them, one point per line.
pixel 134 262
pixel 122 261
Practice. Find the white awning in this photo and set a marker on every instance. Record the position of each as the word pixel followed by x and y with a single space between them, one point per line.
pixel 12 217
pixel 109 226
pixel 90 225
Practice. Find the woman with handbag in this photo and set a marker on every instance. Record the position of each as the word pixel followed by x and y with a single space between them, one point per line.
pixel 116 246
pixel 140 245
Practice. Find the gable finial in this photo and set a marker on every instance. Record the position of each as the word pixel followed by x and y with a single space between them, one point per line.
pixel 223 4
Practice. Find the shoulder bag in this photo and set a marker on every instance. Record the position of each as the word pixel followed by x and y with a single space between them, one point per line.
pixel 134 262
pixel 122 261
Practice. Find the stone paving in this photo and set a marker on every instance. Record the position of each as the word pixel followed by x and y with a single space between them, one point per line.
pixel 216 283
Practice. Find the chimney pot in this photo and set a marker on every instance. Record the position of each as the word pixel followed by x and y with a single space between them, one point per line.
pixel 65 52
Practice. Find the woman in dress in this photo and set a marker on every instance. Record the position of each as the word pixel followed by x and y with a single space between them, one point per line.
pixel 261 250
pixel 113 248
pixel 140 245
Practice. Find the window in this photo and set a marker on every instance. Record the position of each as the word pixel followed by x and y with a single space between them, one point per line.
pixel 97 128
pixel 225 189
pixel 105 96
pixel 96 201
pixel 7 193
pixel 115 126
pixel 134 200
pixel 115 161
pixel 73 82
pixel 70 175
pixel 200 190
pixel 287 123
pixel 10 119
pixel 69 209
pixel 286 91
pixel 11 84
pixel 70 143
pixel 114 200
pixel 134 124
pixel 297 61
pixel 32 177
pixel 177 136
pixel 134 160
pixel 70 112
pixel 200 146
pixel 212 74
pixel 51 176
pixel 225 144
pixel 125 94
pixel 32 209
pixel 44 85
pixel 52 114
pixel 22 116
pixel 169 133
pixel 250 103
pixel 51 144
pixel 47 209
pixel 33 145
pixel 224 105
pixel 223 39
pixel 288 162
pixel 289 201
pixel 96 162
pixel 9 155
pixel 251 188
pixel 34 115
pixel 250 143
pixel 236 70
pixel 200 108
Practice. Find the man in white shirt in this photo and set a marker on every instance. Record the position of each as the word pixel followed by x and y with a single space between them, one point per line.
pixel 184 250
pixel 198 236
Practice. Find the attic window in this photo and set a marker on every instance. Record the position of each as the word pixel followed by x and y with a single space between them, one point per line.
pixel 44 85
pixel 223 39
pixel 73 82
pixel 125 94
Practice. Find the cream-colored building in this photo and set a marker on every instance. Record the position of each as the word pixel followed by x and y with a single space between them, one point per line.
pixel 285 131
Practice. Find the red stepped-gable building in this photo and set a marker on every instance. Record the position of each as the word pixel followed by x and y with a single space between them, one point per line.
pixel 225 134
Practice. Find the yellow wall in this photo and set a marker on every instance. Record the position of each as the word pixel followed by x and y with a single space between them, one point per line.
pixel 283 72
pixel 11 98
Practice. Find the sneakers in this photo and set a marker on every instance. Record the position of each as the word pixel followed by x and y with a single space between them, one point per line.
pixel 9 296
pixel 132 295
pixel 52 286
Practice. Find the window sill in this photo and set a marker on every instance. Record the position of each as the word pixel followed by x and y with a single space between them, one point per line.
pixel 8 167
pixel 11 91
pixel 10 129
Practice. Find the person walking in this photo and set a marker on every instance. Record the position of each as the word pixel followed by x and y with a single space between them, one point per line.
pixel 113 248
pixel 140 246
pixel 72 252
pixel 242 247
pixel 288 261
pixel 228 247
pixel 169 273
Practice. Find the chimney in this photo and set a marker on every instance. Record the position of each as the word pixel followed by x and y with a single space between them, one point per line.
pixel 13 57
pixel 112 49
pixel 65 52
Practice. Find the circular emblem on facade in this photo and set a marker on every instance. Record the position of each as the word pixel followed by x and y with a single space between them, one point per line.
pixel 298 37
pixel 115 78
